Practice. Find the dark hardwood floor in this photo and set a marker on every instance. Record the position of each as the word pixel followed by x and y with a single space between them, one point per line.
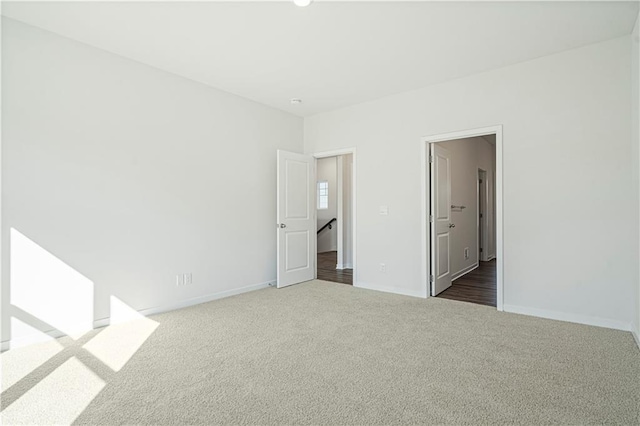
pixel 327 269
pixel 478 286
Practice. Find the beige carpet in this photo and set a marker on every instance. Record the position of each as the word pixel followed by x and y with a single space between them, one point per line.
pixel 324 353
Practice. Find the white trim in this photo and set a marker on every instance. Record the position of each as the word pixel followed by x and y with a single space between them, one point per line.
pixel 354 204
pixel 389 289
pixel 425 223
pixel 340 210
pixel 103 322
pixel 424 142
pixel 478 224
pixel 204 299
pixel 562 316
pixel 636 338
pixel 335 153
pixel 465 271
pixel 31 339
pixel 491 257
pixel 344 266
pixel 483 224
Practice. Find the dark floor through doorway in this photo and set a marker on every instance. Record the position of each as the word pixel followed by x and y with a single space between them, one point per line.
pixel 327 269
pixel 478 286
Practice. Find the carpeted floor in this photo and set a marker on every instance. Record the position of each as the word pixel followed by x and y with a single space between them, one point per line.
pixel 326 353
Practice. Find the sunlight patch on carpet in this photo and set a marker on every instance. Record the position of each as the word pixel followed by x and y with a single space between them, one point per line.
pixel 116 344
pixel 58 399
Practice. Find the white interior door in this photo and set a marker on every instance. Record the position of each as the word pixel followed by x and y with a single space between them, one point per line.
pixel 440 219
pixel 296 218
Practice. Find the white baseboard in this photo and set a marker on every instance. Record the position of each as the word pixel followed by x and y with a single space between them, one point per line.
pixel 344 266
pixel 394 290
pixel 31 339
pixel 103 322
pixel 635 331
pixel 464 271
pixel 562 316
pixel 491 257
pixel 204 299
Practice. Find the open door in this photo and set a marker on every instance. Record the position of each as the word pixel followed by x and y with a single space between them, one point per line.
pixel 296 218
pixel 440 219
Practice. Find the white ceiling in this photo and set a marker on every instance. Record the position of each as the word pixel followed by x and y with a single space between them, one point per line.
pixel 330 54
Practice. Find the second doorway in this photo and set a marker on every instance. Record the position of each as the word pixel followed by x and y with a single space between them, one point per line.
pixel 334 189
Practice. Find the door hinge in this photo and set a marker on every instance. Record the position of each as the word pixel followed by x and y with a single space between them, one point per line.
pixel 430 158
pixel 430 218
pixel 430 278
pixel 480 180
pixel 480 249
pixel 481 215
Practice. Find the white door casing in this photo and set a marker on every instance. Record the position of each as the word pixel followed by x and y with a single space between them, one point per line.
pixel 497 183
pixel 440 219
pixel 296 217
pixel 483 215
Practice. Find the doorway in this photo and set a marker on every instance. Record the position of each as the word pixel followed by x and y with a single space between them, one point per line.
pixel 462 201
pixel 298 192
pixel 334 205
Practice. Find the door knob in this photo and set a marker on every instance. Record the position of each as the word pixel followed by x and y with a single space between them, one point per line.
pixel 452 225
pixel 282 225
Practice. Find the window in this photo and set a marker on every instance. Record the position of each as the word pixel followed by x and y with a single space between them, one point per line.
pixel 323 195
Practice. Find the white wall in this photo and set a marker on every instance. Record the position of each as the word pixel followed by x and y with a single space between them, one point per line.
pixel 117 176
pixel 635 111
pixel 565 257
pixel 467 156
pixel 327 169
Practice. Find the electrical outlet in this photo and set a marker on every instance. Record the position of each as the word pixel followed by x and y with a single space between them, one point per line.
pixel 184 279
pixel 466 253
pixel 383 267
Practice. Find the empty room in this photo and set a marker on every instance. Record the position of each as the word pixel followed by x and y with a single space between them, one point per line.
pixel 320 212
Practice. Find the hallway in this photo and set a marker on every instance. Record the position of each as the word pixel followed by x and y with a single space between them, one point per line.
pixel 327 269
pixel 478 286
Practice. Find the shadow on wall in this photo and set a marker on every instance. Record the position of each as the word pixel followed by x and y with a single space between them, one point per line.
pixel 54 381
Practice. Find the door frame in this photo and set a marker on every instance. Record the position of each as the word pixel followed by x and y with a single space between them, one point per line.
pixel 426 237
pixel 482 224
pixel 338 153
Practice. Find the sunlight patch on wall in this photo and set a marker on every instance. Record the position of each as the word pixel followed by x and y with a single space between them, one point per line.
pixel 48 289
pixel 28 334
pixel 116 344
pixel 120 312
pixel 19 362
pixel 58 399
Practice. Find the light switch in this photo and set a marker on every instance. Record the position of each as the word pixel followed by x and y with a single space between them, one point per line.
pixel 384 210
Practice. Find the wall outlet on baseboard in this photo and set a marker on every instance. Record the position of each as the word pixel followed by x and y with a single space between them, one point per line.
pixel 383 268
pixel 466 253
